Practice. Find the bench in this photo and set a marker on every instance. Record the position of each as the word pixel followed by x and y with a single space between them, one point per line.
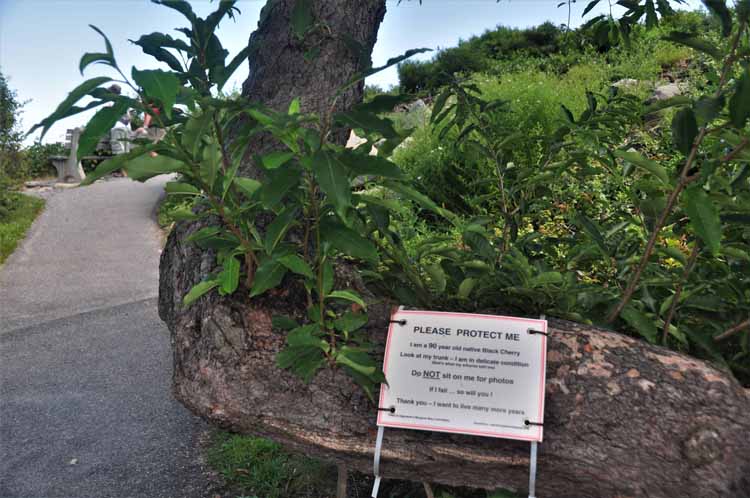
pixel 69 169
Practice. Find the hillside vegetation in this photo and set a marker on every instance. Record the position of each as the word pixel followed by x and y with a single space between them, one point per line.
pixel 533 145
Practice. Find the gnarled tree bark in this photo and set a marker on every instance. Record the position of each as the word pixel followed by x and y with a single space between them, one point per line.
pixel 623 418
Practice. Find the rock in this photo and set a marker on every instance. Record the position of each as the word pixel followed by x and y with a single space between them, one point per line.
pixel 665 92
pixel 38 183
pixel 625 83
pixel 355 141
pixel 417 106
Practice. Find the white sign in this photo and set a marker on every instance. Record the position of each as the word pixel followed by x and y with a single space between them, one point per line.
pixel 465 373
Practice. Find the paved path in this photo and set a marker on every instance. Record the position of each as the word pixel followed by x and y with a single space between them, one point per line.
pixel 85 367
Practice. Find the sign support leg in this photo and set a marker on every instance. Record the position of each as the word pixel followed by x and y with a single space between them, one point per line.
pixel 532 459
pixel 532 471
pixel 376 462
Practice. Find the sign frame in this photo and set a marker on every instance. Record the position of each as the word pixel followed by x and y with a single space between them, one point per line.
pixel 535 427
pixel 540 323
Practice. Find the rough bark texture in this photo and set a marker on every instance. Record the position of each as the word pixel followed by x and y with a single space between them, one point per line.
pixel 623 419
pixel 283 66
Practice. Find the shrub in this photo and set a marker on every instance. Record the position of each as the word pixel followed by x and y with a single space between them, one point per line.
pixel 36 159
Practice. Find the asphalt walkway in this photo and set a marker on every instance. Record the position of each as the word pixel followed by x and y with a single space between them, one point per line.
pixel 85 363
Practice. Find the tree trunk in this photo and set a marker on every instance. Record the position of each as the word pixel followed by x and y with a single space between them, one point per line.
pixel 313 68
pixel 623 419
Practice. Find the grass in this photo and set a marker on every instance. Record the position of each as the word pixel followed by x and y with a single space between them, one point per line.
pixel 261 468
pixel 13 227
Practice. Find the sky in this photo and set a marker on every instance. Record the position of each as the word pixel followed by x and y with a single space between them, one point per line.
pixel 41 41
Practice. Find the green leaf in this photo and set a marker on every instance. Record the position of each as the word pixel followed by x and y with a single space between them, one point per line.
pixel 306 336
pixel 116 163
pixel 739 104
pixel 332 176
pixel 589 7
pixel 184 214
pixel 283 322
pixel 568 115
pixel 546 278
pixel 297 265
pixel 180 6
pixel 349 321
pixel 248 186
pixel 156 45
pixel 467 285
pixel 689 40
pixel 348 296
pixel 439 104
pixel 651 19
pixel 418 197
pixel 348 241
pixel 303 361
pixel 591 230
pixel 203 234
pixel 359 361
pixel 278 185
pixel 99 125
pixel 302 18
pixel 437 276
pixel 707 109
pixel 210 164
pixel 229 278
pixel 372 70
pixel 94 57
pixel 674 253
pixel 328 277
pixel 146 166
pixel 704 217
pixel 719 9
pixel 230 68
pixel 367 121
pixel 181 188
pixel 194 131
pixel 360 164
pixel 641 323
pixel 275 159
pixel 659 105
pixel 198 290
pixel 268 275
pixel 294 107
pixel 383 103
pixel 684 130
pixel 160 85
pixel 278 228
pixel 644 163
pixel 63 110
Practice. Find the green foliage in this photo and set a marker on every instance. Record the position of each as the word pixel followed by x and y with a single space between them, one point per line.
pixel 555 219
pixel 17 212
pixel 10 144
pixel 36 159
